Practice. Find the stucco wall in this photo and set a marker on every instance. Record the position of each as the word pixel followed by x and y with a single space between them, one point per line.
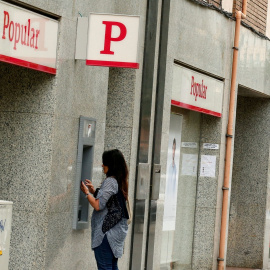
pixel 254 62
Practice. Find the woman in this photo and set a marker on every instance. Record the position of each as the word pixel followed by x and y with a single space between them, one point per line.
pixel 108 239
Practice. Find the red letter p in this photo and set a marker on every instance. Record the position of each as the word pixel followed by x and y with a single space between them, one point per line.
pixel 108 35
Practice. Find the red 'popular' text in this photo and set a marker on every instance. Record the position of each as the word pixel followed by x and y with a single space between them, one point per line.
pixel 19 33
pixel 198 89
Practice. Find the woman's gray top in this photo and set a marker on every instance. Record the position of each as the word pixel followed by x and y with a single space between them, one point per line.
pixel 117 234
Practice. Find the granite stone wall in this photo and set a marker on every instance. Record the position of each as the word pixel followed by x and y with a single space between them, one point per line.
pixel 249 183
pixel 26 126
pixel 39 117
pixel 39 120
pixel 39 131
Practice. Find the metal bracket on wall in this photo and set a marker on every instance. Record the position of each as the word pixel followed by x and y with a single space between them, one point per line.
pixel 143 181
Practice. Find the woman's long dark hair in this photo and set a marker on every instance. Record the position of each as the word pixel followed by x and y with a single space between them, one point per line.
pixel 116 163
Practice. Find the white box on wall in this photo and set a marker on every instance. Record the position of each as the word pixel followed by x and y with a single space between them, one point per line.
pixel 5 231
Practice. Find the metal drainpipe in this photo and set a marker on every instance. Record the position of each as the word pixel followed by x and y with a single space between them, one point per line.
pixel 226 192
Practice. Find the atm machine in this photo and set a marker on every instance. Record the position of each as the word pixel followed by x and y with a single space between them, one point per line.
pixel 84 170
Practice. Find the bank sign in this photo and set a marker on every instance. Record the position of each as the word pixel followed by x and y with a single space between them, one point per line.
pixel 195 91
pixel 113 40
pixel 27 39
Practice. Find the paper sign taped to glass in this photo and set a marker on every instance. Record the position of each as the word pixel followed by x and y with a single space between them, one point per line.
pixel 208 166
pixel 189 164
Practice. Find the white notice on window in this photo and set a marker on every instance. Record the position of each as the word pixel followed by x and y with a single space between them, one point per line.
pixel 189 164
pixel 211 146
pixel 208 166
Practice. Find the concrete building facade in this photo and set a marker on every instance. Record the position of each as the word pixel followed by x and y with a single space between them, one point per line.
pixel 39 126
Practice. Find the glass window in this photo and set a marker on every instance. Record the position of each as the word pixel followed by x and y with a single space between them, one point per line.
pixel 180 193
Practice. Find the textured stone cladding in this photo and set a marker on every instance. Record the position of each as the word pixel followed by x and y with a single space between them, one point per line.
pixel 26 124
pixel 39 120
pixel 206 198
pixel 249 183
pixel 256 13
pixel 119 118
pixel 39 116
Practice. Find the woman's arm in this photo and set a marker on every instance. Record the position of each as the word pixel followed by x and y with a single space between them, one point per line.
pixel 93 201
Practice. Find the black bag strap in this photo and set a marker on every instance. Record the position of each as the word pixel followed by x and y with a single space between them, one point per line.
pixel 96 192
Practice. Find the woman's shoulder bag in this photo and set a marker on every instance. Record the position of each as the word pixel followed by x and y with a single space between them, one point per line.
pixel 117 209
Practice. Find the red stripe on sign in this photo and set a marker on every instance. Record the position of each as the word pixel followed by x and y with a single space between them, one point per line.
pixel 194 108
pixel 112 64
pixel 23 63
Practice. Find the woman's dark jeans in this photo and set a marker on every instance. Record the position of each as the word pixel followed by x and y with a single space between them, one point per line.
pixel 104 256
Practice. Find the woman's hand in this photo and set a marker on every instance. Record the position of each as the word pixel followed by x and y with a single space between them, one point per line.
pixel 84 188
pixel 90 186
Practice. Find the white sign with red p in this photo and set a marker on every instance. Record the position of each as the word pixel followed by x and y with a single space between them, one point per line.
pixel 113 40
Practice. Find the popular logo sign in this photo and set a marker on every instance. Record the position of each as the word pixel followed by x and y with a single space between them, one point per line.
pixel 113 40
pixel 197 92
pixel 198 89
pixel 18 32
pixel 27 38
